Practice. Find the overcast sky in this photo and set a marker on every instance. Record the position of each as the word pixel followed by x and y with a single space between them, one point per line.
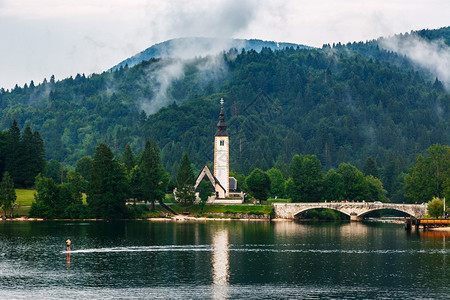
pixel 66 37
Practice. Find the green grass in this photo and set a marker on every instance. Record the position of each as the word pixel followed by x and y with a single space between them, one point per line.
pixel 226 209
pixel 25 197
pixel 272 200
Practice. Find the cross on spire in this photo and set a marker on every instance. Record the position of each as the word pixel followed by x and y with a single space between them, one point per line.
pixel 221 126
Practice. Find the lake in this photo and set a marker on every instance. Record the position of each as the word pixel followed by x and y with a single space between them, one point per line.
pixel 221 260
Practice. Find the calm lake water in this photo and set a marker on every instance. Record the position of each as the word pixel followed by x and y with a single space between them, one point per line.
pixel 221 260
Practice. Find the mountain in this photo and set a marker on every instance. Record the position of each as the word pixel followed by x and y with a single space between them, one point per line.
pixel 342 103
pixel 188 48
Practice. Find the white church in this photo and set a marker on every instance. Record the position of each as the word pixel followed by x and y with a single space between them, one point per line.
pixel 223 185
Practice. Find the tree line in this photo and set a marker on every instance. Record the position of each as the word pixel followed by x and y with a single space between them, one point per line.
pixel 111 181
pixel 108 181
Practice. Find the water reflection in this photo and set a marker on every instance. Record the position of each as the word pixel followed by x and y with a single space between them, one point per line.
pixel 356 229
pixel 220 264
pixel 435 235
pixel 235 260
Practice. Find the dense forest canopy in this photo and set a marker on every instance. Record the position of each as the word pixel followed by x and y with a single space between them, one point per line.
pixel 342 103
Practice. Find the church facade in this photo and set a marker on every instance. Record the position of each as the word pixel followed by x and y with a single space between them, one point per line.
pixel 223 185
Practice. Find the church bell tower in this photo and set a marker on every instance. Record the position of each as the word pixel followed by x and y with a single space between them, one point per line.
pixel 222 153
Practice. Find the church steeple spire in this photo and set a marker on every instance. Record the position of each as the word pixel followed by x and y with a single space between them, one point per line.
pixel 221 126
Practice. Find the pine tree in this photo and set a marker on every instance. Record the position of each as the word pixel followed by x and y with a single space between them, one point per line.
pixel 84 166
pixel 135 182
pixel 154 178
pixel 14 152
pixel 370 167
pixel 3 150
pixel 185 182
pixel 39 153
pixel 128 158
pixel 7 194
pixel 108 186
pixel 27 167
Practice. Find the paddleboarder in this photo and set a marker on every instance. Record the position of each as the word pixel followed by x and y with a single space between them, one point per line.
pixel 68 242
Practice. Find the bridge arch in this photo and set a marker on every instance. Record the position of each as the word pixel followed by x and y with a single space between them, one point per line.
pixel 320 207
pixel 361 215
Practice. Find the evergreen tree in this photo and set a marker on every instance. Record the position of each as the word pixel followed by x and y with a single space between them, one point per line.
pixel 136 185
pixel 370 167
pixel 7 194
pixel 154 178
pixel 84 166
pixel 38 160
pixel 389 174
pixel 27 174
pixel 54 170
pixel 108 186
pixel 32 161
pixel 3 150
pixel 128 158
pixel 13 152
pixel 185 182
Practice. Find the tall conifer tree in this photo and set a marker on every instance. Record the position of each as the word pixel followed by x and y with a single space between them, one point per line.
pixel 128 158
pixel 14 152
pixel 7 194
pixel 108 186
pixel 185 182
pixel 154 178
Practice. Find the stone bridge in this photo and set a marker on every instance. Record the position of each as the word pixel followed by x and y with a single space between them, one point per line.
pixel 355 210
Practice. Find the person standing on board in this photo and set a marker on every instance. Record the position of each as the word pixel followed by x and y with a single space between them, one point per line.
pixel 68 242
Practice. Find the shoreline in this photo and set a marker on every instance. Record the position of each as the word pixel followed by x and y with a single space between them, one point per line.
pixel 183 218
pixel 177 218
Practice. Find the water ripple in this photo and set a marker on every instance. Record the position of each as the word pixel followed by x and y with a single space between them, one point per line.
pixel 253 248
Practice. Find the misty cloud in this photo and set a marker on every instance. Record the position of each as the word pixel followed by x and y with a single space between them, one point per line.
pixel 433 56
pixel 63 38
pixel 163 74
pixel 159 79
pixel 210 65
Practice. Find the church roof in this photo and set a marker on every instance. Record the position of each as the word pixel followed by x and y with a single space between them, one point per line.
pixel 221 126
pixel 206 172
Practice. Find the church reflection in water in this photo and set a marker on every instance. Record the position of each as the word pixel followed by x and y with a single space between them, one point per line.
pixel 220 264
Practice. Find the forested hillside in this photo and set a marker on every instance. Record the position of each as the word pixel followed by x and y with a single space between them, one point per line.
pixel 191 47
pixel 342 103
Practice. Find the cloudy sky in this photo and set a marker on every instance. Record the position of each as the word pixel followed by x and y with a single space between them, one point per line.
pixel 66 37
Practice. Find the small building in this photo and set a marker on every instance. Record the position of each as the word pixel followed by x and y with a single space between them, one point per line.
pixel 223 185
